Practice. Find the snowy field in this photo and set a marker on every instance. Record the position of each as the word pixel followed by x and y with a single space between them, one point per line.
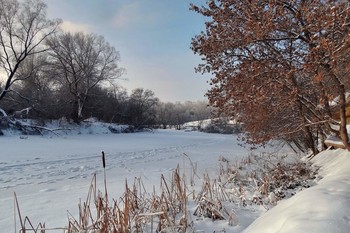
pixel 51 174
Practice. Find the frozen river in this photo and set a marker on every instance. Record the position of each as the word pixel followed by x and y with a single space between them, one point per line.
pixel 50 175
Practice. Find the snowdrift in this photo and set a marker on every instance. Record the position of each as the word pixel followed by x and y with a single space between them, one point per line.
pixel 320 209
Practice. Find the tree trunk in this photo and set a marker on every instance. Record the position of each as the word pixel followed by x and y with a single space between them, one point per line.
pixel 76 115
pixel 342 109
pixel 310 140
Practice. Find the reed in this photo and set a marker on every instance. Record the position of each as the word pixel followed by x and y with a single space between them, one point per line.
pixel 255 180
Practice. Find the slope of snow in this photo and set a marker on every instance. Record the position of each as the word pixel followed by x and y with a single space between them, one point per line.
pixel 64 127
pixel 320 209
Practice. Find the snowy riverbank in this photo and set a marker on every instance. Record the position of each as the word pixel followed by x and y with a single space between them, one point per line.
pixel 322 208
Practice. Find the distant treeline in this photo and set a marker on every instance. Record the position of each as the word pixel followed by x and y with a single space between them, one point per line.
pixel 53 74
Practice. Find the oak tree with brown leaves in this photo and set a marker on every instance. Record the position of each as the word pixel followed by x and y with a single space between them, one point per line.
pixel 277 65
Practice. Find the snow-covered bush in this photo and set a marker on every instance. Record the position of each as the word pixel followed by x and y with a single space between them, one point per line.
pixel 222 126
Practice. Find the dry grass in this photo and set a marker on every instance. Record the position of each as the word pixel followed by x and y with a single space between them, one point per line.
pixel 137 210
pixel 255 180
pixel 25 223
pixel 261 179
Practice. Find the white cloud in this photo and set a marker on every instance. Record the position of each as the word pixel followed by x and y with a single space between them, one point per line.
pixel 131 14
pixel 69 26
pixel 126 15
pixel 176 82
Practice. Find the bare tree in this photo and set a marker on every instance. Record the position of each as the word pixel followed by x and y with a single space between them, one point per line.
pixel 81 62
pixel 23 28
pixel 165 114
pixel 142 108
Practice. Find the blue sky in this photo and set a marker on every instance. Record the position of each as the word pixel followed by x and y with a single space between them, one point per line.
pixel 152 36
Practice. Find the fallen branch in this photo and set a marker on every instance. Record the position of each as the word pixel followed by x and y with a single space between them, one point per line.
pixel 29 128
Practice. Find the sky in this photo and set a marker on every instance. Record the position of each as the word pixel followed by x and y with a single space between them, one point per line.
pixel 153 38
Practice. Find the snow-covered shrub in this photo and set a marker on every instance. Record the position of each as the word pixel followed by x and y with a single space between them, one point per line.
pixel 267 178
pixel 222 126
pixel 114 130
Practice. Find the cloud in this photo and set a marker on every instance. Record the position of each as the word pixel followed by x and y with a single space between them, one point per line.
pixel 126 15
pixel 130 15
pixel 69 26
pixel 177 82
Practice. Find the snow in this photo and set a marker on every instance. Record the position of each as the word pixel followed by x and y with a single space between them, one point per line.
pixel 335 101
pixel 51 173
pixel 205 123
pixel 334 140
pixel 321 208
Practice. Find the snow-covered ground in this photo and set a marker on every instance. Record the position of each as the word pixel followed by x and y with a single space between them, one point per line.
pixel 322 208
pixel 51 174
